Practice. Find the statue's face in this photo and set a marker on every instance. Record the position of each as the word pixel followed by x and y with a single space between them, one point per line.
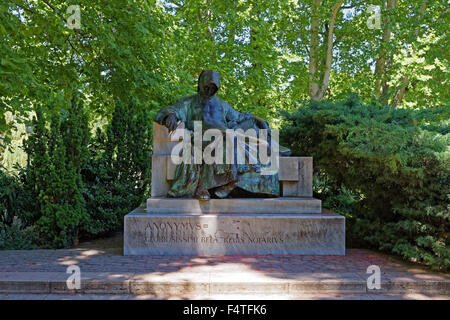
pixel 209 90
pixel 208 83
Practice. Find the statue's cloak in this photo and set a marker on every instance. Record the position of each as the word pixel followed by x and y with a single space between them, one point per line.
pixel 222 178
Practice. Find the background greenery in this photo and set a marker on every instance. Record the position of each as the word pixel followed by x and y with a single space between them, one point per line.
pixel 387 170
pixel 88 154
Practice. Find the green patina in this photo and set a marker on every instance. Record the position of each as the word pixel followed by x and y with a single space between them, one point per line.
pixel 222 180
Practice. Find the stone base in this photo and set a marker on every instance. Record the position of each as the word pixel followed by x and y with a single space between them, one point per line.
pixel 238 205
pixel 233 234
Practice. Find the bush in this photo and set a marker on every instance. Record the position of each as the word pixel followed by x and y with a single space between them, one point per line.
pixel 15 237
pixel 117 176
pixel 15 214
pixel 76 186
pixel 56 156
pixel 394 161
pixel 9 198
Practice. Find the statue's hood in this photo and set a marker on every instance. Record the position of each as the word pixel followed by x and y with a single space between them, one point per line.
pixel 208 77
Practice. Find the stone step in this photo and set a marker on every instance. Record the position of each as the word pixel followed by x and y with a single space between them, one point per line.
pixel 239 205
pixel 210 284
pixel 158 233
pixel 237 296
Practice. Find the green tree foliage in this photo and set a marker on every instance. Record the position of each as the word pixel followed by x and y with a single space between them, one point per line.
pixel 117 176
pixel 395 161
pixel 56 157
pixel 269 52
pixel 15 71
pixel 9 198
pixel 78 186
pixel 16 230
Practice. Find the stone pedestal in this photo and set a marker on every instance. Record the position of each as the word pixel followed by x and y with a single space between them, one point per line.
pixel 230 234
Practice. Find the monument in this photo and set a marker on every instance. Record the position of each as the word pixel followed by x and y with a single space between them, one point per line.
pixel 234 190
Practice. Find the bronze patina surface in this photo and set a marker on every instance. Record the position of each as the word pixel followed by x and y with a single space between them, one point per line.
pixel 218 180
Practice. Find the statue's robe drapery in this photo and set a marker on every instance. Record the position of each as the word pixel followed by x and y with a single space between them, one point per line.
pixel 217 114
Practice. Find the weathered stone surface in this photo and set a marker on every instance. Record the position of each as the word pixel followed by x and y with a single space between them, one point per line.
pixel 288 169
pixel 160 185
pixel 217 234
pixel 170 169
pixel 162 144
pixel 95 282
pixel 170 284
pixel 302 187
pixel 165 165
pixel 24 282
pixel 238 205
pixel 224 283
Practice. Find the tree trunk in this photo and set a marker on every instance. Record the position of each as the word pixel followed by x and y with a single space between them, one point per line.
pixel 2 150
pixel 314 49
pixel 329 51
pixel 403 88
pixel 381 86
pixel 318 81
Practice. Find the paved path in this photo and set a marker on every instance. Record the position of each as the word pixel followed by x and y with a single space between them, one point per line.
pixel 104 270
pixel 242 297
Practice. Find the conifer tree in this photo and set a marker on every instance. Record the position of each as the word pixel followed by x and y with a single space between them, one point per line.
pixel 55 159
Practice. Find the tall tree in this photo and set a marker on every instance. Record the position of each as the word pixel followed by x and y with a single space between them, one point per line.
pixel 383 60
pixel 319 75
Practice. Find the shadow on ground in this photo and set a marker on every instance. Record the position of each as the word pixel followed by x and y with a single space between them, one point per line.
pixel 103 259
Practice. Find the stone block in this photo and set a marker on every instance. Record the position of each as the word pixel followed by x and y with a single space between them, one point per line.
pixel 170 169
pixel 237 205
pixel 160 185
pixel 302 187
pixel 288 169
pixel 219 234
pixel 170 284
pixel 28 282
pixel 162 144
pixel 248 283
pixel 95 283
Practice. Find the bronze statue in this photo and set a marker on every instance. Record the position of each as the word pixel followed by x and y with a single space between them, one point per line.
pixel 203 181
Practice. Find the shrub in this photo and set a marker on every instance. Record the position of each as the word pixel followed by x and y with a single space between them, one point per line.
pixel 75 186
pixel 56 156
pixel 15 237
pixel 117 176
pixel 15 213
pixel 9 198
pixel 395 161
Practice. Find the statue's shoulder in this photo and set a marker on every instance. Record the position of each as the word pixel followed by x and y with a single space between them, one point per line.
pixel 186 99
pixel 221 102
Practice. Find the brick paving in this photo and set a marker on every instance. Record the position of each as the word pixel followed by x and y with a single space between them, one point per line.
pixel 103 260
pixel 100 259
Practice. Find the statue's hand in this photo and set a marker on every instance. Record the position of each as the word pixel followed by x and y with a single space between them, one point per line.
pixel 171 122
pixel 262 124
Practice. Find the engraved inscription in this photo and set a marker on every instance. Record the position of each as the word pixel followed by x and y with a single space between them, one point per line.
pixel 236 232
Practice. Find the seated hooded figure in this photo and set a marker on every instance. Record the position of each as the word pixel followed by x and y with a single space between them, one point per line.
pixel 219 180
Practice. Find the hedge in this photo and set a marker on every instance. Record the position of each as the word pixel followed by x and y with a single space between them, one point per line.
pixel 394 162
